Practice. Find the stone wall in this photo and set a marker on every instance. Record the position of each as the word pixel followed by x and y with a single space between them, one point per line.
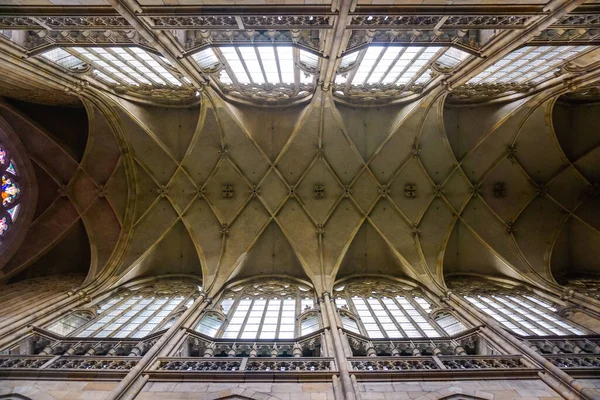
pixel 492 389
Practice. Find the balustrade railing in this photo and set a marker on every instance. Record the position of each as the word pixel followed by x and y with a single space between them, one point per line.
pixel 199 345
pixel 30 366
pixel 489 366
pixel 564 344
pixel 245 364
pixel 463 344
pixel 44 343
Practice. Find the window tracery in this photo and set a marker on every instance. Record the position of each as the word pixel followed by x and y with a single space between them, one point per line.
pixel 10 192
pixel 387 309
pixel 262 310
pixel 125 68
pixel 392 71
pixel 134 312
pixel 516 308
pixel 266 73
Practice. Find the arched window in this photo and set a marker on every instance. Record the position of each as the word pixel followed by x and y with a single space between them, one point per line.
pixel 11 192
pixel 71 322
pixel 516 308
pixel 386 309
pixel 136 311
pixel 260 310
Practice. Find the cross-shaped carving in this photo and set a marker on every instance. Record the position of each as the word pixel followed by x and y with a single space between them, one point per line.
pixel 319 191
pixel 410 190
pixel 228 191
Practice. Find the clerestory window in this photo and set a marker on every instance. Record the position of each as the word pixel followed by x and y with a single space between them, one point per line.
pixel 395 65
pixel 262 310
pixel 516 309
pixel 528 65
pixel 133 312
pixel 387 309
pixel 262 72
pixel 127 66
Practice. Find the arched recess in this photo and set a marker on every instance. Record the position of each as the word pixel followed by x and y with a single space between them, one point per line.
pixel 272 254
pixel 370 254
pixel 269 307
pixel 576 247
pixel 379 307
pixel 76 163
pixel 466 253
pixel 132 310
pixel 520 308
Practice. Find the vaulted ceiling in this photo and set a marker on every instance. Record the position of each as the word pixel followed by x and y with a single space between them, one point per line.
pixel 439 180
pixel 318 191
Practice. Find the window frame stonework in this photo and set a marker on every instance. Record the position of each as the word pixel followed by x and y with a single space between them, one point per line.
pixel 495 295
pixel 123 309
pixel 236 297
pixel 403 297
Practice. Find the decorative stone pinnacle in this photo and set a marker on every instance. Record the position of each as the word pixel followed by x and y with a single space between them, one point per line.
pixel 163 191
pixel 438 191
pixel 347 191
pixel 224 229
pixel 254 191
pixel 223 152
pixel 384 191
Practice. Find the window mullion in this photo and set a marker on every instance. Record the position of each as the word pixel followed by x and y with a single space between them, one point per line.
pixel 133 317
pixel 131 76
pixel 262 68
pixel 243 61
pixel 426 317
pixel 408 316
pixel 400 53
pixel 541 316
pixel 99 68
pixel 376 63
pixel 262 318
pixel 391 316
pixel 354 70
pixel 225 64
pixel 374 315
pixel 92 321
pixel 421 71
pixel 116 317
pixel 494 305
pixel 277 64
pixel 407 67
pixel 243 327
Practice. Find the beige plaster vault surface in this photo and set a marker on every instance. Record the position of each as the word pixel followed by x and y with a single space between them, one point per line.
pixel 147 190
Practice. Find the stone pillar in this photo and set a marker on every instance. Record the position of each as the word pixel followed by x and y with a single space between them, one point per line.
pixel 338 349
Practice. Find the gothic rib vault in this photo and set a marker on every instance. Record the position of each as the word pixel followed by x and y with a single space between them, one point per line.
pixel 424 191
